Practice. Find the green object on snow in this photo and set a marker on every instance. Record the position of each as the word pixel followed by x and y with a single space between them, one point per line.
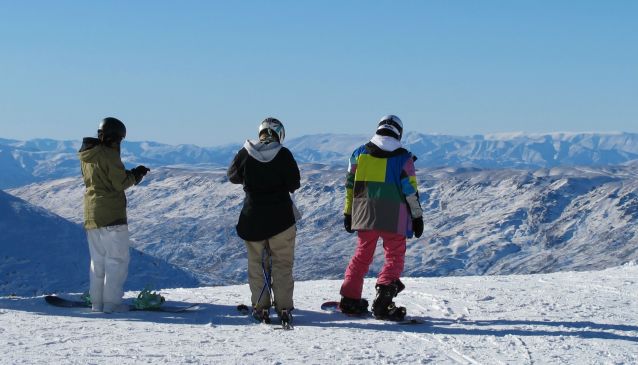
pixel 86 298
pixel 148 300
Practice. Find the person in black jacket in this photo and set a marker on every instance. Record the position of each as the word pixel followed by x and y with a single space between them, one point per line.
pixel 269 174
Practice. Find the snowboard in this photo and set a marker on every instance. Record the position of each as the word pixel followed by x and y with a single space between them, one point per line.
pixel 333 307
pixel 69 303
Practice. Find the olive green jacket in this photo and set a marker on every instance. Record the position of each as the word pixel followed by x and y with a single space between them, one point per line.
pixel 105 179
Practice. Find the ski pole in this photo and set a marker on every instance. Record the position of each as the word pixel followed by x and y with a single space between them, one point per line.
pixel 267 275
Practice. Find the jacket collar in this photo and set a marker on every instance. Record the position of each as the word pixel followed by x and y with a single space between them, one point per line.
pixel 262 152
pixel 386 143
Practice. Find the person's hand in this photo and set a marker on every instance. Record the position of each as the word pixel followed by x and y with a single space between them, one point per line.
pixel 417 226
pixel 347 223
pixel 139 172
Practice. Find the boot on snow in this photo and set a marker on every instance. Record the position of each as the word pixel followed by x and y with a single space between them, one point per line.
pixel 383 307
pixel 261 315
pixel 353 306
pixel 285 317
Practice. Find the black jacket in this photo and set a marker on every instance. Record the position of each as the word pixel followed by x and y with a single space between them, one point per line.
pixel 267 207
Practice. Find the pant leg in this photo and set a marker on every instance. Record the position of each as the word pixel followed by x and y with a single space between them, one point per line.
pixel 352 286
pixel 256 275
pixel 96 274
pixel 282 251
pixel 117 246
pixel 394 247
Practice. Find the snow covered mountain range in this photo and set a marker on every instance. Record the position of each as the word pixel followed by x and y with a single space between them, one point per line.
pixel 36 160
pixel 44 253
pixel 478 221
pixel 499 206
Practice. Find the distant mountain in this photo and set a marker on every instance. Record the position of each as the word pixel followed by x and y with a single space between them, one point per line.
pixel 332 149
pixel 45 159
pixel 519 150
pixel 478 221
pixel 42 159
pixel 44 253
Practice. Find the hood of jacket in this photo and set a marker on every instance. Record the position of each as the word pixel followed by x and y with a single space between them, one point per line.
pixel 386 143
pixel 88 153
pixel 262 152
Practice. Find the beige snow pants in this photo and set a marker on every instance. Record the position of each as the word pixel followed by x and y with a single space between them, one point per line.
pixel 281 248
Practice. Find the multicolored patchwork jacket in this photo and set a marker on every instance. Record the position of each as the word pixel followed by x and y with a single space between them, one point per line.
pixel 377 185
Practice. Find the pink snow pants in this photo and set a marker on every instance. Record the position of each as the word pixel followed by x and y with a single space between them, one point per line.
pixel 394 246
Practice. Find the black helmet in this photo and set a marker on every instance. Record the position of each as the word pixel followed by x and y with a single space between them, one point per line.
pixel 111 130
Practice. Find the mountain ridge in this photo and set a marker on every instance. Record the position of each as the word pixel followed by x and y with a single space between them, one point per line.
pixel 44 253
pixel 44 159
pixel 478 221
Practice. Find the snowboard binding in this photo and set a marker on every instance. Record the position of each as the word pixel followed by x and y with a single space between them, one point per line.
pixel 147 300
pixel 383 307
pixel 262 315
pixel 285 316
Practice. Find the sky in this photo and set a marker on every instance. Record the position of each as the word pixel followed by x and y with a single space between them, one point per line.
pixel 208 72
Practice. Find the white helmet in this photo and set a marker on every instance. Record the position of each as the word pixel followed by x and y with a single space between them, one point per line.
pixel 391 123
pixel 274 128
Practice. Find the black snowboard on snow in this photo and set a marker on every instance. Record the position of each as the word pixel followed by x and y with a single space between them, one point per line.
pixel 333 307
pixel 69 303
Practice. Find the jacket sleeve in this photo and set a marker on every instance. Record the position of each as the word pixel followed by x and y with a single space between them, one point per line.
pixel 352 170
pixel 120 178
pixel 409 188
pixel 235 171
pixel 292 175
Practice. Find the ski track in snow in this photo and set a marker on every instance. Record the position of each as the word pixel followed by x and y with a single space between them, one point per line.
pixel 560 318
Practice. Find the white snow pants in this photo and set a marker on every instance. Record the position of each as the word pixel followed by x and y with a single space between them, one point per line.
pixel 109 247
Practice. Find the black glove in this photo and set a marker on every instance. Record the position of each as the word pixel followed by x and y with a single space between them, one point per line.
pixel 417 226
pixel 347 223
pixel 139 172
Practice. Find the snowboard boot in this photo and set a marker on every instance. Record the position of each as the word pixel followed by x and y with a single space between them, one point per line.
pixel 95 307
pixel 353 306
pixel 383 307
pixel 285 317
pixel 261 315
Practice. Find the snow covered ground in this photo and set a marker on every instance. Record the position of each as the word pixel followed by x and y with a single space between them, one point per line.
pixel 560 318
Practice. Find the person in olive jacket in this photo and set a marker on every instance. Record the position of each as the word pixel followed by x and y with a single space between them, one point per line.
pixel 105 218
pixel 269 174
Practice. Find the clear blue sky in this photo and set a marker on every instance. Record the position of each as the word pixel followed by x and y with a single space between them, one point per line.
pixel 207 72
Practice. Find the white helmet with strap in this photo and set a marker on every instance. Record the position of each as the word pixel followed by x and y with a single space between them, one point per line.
pixel 274 128
pixel 392 124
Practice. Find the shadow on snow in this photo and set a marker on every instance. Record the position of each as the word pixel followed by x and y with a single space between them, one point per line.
pixel 226 315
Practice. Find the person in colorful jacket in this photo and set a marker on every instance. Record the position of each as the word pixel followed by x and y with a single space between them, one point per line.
pixel 382 201
pixel 105 220
pixel 269 174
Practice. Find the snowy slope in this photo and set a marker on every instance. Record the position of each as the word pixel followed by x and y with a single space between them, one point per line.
pixel 44 253
pixel 477 221
pixel 563 318
pixel 42 159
